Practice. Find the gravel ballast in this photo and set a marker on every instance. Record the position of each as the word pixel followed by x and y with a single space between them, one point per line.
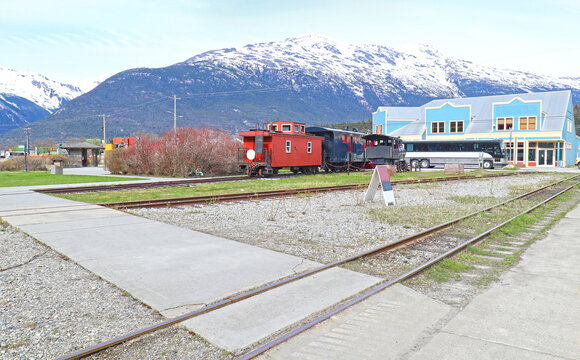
pixel 330 226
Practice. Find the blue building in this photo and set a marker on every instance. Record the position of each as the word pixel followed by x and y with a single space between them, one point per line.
pixel 537 129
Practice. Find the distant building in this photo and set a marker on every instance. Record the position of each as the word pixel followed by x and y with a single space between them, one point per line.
pixel 537 128
pixel 83 153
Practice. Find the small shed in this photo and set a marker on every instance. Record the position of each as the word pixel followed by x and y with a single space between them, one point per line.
pixel 83 153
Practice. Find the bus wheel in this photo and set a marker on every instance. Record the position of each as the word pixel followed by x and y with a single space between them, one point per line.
pixel 425 163
pixel 415 163
pixel 487 164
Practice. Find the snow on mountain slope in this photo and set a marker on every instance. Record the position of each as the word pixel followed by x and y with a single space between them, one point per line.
pixel 37 88
pixel 419 69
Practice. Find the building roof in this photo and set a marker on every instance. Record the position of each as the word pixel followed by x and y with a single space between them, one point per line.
pixel 81 145
pixel 554 107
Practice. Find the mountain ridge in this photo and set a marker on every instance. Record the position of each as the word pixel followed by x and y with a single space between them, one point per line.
pixel 26 97
pixel 308 78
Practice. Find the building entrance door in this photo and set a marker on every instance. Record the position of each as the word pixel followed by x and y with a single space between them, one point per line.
pixel 545 157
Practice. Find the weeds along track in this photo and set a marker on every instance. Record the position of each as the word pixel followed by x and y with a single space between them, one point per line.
pixel 210 199
pixel 433 245
pixel 192 182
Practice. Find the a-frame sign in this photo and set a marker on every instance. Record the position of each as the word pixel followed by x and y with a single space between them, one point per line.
pixel 381 178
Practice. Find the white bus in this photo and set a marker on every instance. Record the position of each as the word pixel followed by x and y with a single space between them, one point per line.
pixel 427 153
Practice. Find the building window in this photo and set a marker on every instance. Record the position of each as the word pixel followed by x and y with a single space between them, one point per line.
pixel 287 128
pixel 456 126
pixel 438 127
pixel 505 123
pixel 520 152
pixel 378 129
pixel 288 146
pixel 309 147
pixel 532 151
pixel 527 123
pixel 509 149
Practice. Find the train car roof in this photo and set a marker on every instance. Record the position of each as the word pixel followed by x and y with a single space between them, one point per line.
pixel 451 141
pixel 325 129
pixel 373 137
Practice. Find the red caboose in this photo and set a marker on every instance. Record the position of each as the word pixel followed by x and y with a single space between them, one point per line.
pixel 283 144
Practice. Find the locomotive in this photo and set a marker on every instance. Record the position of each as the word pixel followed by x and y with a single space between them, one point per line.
pixel 286 144
pixel 385 150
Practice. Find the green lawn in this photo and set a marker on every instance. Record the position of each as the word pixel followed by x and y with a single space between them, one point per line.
pixel 20 178
pixel 246 186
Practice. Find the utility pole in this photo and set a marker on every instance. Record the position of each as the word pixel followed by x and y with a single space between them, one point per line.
pixel 104 129
pixel 27 132
pixel 174 112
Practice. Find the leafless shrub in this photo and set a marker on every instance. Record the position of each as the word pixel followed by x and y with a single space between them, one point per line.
pixel 33 163
pixel 182 152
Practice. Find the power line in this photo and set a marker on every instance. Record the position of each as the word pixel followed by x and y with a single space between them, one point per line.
pixel 190 96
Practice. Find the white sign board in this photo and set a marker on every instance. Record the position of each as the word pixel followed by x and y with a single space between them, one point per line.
pixel 381 179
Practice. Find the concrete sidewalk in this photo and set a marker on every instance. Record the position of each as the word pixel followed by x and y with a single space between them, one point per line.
pixel 533 312
pixel 176 270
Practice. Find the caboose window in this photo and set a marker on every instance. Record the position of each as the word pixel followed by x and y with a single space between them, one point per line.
pixel 309 147
pixel 295 128
pixel 275 127
pixel 288 145
pixel 287 128
pixel 302 128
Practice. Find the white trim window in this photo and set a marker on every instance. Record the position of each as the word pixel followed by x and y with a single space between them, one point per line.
pixel 527 123
pixel 309 147
pixel 456 126
pixel 438 127
pixel 288 146
pixel 505 123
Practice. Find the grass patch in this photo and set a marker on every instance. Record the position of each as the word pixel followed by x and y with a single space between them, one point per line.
pixel 20 178
pixel 447 269
pixel 478 251
pixel 360 178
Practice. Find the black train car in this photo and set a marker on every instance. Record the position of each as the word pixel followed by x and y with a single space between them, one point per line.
pixel 340 148
pixel 385 150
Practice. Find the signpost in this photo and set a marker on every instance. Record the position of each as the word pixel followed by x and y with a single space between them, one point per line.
pixel 381 178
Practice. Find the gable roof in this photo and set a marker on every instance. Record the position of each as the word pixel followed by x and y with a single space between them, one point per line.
pixel 554 105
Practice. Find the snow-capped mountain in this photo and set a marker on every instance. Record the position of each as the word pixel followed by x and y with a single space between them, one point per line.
pixel 308 78
pixel 37 88
pixel 26 97
pixel 415 69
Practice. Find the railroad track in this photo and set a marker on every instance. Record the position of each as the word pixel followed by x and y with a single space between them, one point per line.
pixel 210 199
pixel 187 182
pixel 146 185
pixel 563 187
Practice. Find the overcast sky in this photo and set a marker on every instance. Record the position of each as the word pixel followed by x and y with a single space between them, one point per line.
pixel 75 40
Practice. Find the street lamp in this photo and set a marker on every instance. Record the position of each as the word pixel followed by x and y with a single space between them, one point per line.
pixel 27 132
